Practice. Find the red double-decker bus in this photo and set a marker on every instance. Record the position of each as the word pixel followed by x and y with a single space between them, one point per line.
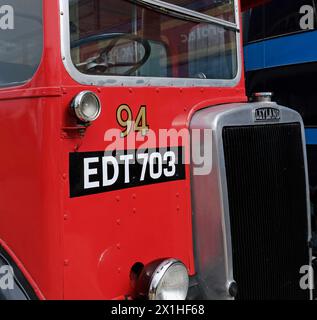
pixel 132 164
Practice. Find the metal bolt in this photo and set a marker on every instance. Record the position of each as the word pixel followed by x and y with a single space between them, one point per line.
pixel 233 289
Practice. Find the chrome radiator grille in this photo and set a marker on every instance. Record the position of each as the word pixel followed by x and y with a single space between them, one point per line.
pixel 265 172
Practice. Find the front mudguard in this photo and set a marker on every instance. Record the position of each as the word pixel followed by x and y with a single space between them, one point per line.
pixel 13 283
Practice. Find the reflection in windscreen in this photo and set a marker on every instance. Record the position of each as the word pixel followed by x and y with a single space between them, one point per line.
pixel 117 37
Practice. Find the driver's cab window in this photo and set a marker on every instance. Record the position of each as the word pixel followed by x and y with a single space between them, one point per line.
pixel 119 37
pixel 117 33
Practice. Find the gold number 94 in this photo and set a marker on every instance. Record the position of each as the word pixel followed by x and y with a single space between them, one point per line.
pixel 126 121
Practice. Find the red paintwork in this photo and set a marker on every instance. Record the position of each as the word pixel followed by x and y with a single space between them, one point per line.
pixel 83 248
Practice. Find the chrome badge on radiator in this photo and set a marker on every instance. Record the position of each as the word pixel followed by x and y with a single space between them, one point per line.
pixel 267 114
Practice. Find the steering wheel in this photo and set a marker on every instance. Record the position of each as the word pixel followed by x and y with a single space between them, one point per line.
pixel 101 63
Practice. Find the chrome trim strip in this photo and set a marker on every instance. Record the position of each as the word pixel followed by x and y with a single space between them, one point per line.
pixel 190 13
pixel 211 218
pixel 122 81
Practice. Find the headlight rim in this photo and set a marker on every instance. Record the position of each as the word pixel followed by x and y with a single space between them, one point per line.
pixel 152 275
pixel 77 104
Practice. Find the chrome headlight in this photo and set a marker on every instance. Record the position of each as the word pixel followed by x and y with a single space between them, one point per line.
pixel 87 106
pixel 164 280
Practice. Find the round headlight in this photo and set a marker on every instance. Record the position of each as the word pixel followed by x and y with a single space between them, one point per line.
pixel 164 280
pixel 87 106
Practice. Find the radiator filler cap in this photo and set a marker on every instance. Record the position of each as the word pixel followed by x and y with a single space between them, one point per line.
pixel 262 96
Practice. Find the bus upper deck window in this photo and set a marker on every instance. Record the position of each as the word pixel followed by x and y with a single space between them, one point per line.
pixel 21 40
pixel 132 38
pixel 276 18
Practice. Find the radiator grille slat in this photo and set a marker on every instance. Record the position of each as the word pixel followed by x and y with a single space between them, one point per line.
pixel 268 210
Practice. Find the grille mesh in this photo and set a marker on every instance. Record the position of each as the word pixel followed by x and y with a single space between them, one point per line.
pixel 268 211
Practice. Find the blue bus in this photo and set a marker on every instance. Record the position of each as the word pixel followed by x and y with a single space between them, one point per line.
pixel 281 57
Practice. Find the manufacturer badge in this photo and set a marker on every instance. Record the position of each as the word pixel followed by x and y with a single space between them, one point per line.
pixel 267 114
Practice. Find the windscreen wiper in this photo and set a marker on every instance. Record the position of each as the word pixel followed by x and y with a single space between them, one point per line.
pixel 183 13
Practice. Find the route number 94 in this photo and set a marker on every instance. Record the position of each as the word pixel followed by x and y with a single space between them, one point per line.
pixel 126 120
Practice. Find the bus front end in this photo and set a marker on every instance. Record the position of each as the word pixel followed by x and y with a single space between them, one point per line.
pixel 161 181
